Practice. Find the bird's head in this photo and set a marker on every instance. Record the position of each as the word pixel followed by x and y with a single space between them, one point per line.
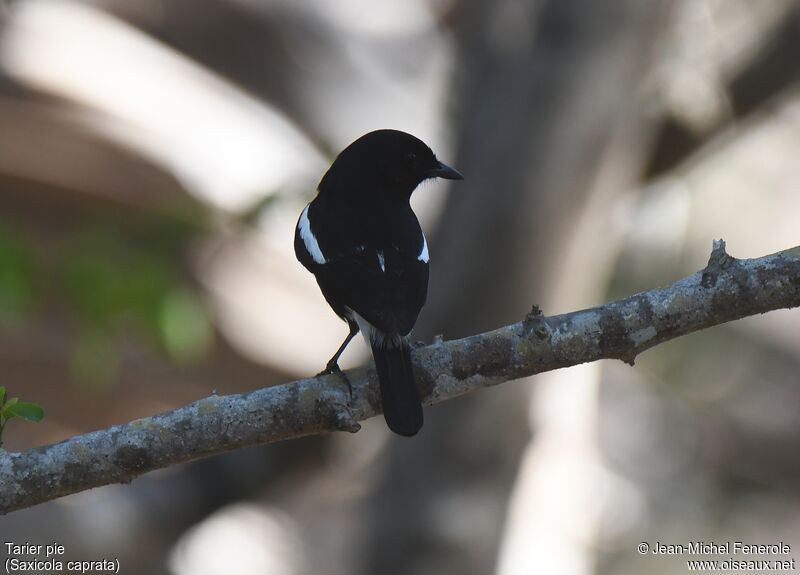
pixel 387 162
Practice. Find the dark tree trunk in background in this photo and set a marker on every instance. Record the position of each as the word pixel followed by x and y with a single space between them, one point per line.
pixel 548 96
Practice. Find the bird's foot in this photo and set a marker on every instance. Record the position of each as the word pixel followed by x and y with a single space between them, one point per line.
pixel 333 369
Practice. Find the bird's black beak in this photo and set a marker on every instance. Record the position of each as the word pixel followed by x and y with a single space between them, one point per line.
pixel 446 172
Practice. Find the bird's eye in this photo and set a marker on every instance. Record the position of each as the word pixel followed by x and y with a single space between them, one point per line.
pixel 411 157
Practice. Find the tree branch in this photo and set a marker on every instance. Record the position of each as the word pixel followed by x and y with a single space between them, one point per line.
pixel 725 290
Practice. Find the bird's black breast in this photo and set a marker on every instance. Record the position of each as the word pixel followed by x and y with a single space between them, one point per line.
pixel 372 261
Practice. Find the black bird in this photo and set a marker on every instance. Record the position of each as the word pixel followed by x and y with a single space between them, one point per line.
pixel 362 241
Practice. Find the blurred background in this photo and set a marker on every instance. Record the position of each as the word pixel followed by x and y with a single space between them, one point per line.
pixel 154 156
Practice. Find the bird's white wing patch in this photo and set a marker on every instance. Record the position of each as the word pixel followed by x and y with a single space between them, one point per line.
pixel 381 261
pixel 311 243
pixel 423 254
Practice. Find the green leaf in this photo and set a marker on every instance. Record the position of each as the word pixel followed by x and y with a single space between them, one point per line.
pixel 26 410
pixel 2 395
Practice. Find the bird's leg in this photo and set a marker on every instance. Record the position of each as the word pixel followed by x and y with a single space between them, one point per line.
pixel 333 363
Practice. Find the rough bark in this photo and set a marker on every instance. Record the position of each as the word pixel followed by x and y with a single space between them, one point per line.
pixel 725 290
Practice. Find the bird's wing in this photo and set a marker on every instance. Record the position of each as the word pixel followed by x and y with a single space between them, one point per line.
pixel 385 287
pixel 306 247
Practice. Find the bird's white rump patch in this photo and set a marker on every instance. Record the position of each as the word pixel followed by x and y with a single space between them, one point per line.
pixel 373 336
pixel 311 243
pixel 423 254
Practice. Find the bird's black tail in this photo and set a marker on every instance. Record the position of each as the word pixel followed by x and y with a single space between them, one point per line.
pixel 402 407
